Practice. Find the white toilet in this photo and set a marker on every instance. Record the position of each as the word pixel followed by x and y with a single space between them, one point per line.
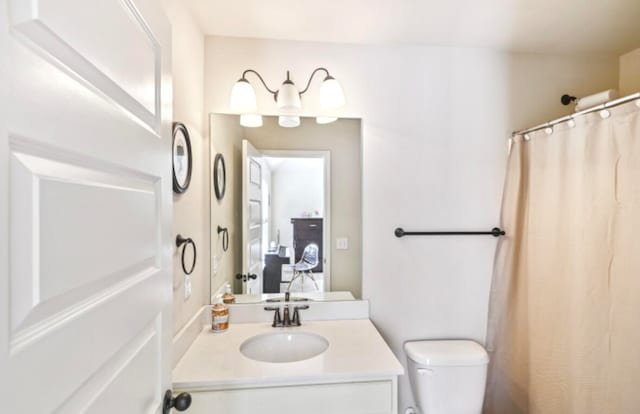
pixel 447 377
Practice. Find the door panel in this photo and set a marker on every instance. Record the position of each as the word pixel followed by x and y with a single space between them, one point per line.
pixel 252 218
pixel 108 44
pixel 85 213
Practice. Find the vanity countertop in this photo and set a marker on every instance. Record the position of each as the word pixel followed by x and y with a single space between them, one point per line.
pixel 356 351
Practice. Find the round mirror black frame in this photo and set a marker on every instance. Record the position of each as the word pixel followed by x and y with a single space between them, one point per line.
pixel 219 161
pixel 180 127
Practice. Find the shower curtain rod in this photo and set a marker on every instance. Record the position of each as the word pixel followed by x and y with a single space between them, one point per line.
pixel 567 118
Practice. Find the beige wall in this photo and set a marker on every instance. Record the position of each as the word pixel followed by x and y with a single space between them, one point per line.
pixel 630 73
pixel 226 138
pixel 342 140
pixel 190 209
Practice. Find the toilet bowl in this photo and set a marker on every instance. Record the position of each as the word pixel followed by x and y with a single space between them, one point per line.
pixel 447 377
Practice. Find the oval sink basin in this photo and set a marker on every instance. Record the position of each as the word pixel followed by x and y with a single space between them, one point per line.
pixel 284 346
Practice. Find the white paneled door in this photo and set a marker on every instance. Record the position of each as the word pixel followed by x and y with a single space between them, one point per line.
pixel 251 219
pixel 85 206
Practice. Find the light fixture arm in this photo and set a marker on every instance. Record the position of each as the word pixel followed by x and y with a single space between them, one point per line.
pixel 272 92
pixel 311 78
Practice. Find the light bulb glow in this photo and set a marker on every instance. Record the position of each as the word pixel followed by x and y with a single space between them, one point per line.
pixel 251 120
pixel 243 97
pixel 331 94
pixel 288 99
pixel 288 121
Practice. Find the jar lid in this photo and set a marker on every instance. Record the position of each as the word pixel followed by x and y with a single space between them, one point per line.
pixel 219 307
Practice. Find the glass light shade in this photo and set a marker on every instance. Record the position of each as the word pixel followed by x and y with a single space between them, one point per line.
pixel 325 119
pixel 251 120
pixel 243 97
pixel 331 94
pixel 288 121
pixel 288 99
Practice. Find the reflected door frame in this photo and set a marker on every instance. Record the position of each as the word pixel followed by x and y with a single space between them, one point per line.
pixel 326 233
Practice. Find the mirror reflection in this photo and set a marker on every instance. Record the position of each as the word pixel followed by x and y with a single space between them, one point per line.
pixel 290 218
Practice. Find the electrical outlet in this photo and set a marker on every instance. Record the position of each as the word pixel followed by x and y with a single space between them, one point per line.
pixel 187 287
pixel 342 243
pixel 215 265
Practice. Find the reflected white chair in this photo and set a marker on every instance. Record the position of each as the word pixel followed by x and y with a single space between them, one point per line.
pixel 308 262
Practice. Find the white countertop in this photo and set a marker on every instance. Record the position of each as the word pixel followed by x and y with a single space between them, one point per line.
pixel 356 352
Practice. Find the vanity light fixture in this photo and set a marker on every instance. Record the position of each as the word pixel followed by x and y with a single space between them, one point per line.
pixel 251 120
pixel 243 99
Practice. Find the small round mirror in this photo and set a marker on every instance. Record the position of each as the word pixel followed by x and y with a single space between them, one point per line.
pixel 219 176
pixel 182 161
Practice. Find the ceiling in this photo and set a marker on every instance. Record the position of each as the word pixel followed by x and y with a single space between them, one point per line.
pixel 545 26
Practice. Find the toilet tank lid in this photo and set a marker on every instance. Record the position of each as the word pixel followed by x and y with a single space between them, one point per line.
pixel 446 353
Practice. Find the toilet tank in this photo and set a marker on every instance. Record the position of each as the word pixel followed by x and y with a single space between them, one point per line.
pixel 447 377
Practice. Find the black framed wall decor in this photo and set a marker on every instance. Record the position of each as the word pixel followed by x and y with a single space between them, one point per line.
pixel 182 159
pixel 219 176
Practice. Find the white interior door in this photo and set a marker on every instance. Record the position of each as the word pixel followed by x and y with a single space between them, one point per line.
pixel 251 219
pixel 85 206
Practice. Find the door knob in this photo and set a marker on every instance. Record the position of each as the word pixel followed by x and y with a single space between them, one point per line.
pixel 181 402
pixel 244 278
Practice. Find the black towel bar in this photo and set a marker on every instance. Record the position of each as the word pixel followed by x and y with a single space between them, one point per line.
pixel 495 232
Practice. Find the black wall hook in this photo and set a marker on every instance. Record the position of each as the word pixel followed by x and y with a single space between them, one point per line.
pixel 567 99
pixel 225 237
pixel 184 242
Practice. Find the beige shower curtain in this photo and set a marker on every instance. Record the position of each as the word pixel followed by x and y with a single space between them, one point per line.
pixel 564 320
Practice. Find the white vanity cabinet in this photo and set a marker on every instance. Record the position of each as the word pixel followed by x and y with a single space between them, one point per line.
pixel 357 397
pixel 355 374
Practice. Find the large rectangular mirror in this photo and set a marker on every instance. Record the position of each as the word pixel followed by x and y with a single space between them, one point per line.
pixel 286 209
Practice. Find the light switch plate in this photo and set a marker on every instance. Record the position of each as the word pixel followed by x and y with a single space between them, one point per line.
pixel 342 243
pixel 215 265
pixel 187 287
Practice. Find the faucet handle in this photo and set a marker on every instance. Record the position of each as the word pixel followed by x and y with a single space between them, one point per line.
pixel 296 314
pixel 277 320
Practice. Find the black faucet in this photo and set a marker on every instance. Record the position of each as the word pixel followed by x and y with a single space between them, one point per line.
pixel 296 315
pixel 286 320
pixel 277 321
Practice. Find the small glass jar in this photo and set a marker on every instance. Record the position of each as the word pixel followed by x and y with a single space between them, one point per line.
pixel 219 317
pixel 228 297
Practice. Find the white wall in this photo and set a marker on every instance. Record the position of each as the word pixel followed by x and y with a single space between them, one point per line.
pixel 297 186
pixel 435 122
pixel 190 209
pixel 630 72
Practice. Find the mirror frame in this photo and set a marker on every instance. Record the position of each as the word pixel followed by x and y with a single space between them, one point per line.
pixel 219 161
